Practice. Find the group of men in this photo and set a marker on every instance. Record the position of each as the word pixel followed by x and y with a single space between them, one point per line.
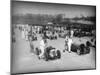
pixel 43 41
pixel 68 42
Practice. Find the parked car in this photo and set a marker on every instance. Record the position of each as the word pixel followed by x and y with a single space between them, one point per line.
pixel 81 33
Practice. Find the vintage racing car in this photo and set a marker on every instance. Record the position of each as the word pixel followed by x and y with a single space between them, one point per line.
pixel 50 53
pixel 80 49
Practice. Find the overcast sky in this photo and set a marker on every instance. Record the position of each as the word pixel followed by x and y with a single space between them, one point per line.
pixel 47 8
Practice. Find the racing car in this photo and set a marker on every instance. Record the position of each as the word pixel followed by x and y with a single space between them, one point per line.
pixel 51 53
pixel 80 49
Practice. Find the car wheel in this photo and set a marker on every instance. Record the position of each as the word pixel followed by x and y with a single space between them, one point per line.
pixel 36 38
pixel 58 54
pixel 56 37
pixel 78 51
pixel 37 51
pixel 88 44
pixel 87 50
pixel 46 57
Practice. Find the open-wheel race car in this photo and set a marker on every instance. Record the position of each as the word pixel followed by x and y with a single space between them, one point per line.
pixel 50 53
pixel 80 49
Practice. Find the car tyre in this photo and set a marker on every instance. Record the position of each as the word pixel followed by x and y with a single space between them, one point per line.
pixel 78 51
pixel 87 50
pixel 58 54
pixel 46 57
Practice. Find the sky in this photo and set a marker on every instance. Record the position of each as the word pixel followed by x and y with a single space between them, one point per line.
pixel 19 7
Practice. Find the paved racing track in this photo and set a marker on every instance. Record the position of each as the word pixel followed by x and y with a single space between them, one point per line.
pixel 25 61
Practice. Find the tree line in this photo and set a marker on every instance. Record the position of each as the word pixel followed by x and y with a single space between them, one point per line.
pixel 45 18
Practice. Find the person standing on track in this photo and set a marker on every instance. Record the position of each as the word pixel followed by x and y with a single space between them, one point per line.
pixel 69 44
pixel 43 43
pixel 70 41
pixel 66 44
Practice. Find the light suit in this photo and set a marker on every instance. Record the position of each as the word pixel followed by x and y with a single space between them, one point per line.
pixel 42 47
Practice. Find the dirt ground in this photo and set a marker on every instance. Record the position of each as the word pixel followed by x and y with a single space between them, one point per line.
pixel 25 61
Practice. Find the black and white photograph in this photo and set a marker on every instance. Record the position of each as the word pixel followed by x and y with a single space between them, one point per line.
pixel 52 37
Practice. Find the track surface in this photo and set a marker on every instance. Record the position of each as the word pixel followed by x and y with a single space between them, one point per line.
pixel 25 61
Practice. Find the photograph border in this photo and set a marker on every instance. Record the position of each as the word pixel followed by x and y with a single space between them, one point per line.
pixel 47 3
